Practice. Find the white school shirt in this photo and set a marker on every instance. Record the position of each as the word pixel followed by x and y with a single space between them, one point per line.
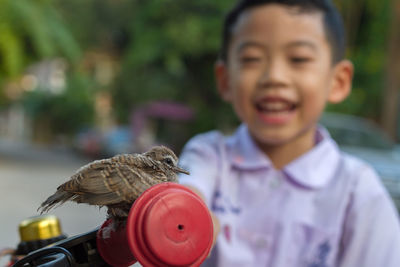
pixel 324 209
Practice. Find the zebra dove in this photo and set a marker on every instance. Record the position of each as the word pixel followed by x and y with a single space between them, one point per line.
pixel 117 182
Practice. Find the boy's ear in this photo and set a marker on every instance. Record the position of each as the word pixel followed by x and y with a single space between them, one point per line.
pixel 342 81
pixel 222 79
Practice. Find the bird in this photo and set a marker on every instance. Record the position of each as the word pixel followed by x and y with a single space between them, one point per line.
pixel 117 182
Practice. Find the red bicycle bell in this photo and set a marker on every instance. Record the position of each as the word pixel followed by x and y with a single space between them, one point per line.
pixel 167 226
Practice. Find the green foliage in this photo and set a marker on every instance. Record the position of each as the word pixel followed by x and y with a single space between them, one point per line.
pixel 367 50
pixel 174 43
pixel 31 30
pixel 67 112
pixel 167 50
pixel 97 24
pixel 173 48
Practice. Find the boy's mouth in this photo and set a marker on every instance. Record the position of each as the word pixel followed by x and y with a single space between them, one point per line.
pixel 275 110
pixel 275 106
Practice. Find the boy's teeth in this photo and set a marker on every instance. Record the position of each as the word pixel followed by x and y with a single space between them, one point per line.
pixel 274 106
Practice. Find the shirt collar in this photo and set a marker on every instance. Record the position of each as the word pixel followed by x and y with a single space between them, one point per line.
pixel 317 167
pixel 313 169
pixel 245 154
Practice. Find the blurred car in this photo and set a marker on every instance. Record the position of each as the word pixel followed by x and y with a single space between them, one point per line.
pixel 364 139
pixel 88 142
pixel 96 144
pixel 118 140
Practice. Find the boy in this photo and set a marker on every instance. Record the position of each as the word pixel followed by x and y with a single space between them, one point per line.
pixel 279 188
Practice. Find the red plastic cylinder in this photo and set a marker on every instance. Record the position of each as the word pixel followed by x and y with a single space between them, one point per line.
pixel 168 225
pixel 112 245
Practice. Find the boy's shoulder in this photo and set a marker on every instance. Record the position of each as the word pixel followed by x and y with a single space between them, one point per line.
pixel 217 144
pixel 224 144
pixel 362 177
pixel 356 167
pixel 210 139
pixel 217 137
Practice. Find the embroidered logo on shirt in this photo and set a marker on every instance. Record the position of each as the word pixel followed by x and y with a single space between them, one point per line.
pixel 222 204
pixel 320 259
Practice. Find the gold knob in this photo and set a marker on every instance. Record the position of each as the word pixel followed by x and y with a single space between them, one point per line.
pixel 39 228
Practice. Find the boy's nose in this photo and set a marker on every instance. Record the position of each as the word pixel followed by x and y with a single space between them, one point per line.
pixel 274 75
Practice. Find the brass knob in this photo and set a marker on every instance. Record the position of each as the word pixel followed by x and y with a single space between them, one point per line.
pixel 39 228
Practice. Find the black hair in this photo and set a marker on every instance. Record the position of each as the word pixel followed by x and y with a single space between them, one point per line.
pixel 332 19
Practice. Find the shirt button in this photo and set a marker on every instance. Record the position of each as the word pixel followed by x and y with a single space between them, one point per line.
pixel 274 183
pixel 261 242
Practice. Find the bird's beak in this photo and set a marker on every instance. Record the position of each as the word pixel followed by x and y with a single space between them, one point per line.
pixel 178 169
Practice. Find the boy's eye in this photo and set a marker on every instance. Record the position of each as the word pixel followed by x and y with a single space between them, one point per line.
pixel 300 59
pixel 249 59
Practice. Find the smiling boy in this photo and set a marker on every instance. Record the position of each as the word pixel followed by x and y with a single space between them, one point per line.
pixel 280 189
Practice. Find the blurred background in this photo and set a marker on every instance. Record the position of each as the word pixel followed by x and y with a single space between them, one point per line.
pixel 81 80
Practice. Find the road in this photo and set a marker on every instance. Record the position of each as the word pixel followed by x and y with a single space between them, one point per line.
pixel 28 175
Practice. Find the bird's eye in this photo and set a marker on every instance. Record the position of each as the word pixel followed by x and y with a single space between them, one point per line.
pixel 168 161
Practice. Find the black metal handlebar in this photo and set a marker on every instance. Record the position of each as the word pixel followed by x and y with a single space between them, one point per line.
pixel 76 251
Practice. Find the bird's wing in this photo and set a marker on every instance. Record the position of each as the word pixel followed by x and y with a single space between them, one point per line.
pixel 92 177
pixel 120 179
pixel 108 182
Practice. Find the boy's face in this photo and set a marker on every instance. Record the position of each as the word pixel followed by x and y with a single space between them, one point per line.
pixel 279 73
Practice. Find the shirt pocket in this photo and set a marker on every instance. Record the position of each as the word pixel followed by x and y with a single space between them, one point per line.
pixel 315 246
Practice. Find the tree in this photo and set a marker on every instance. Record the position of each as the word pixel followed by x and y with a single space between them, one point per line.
pixel 166 50
pixel 173 47
pixel 366 23
pixel 390 104
pixel 31 30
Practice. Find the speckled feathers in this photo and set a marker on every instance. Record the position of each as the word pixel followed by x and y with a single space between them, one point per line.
pixel 117 182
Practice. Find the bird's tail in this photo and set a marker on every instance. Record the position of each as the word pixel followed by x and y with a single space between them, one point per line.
pixel 54 200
